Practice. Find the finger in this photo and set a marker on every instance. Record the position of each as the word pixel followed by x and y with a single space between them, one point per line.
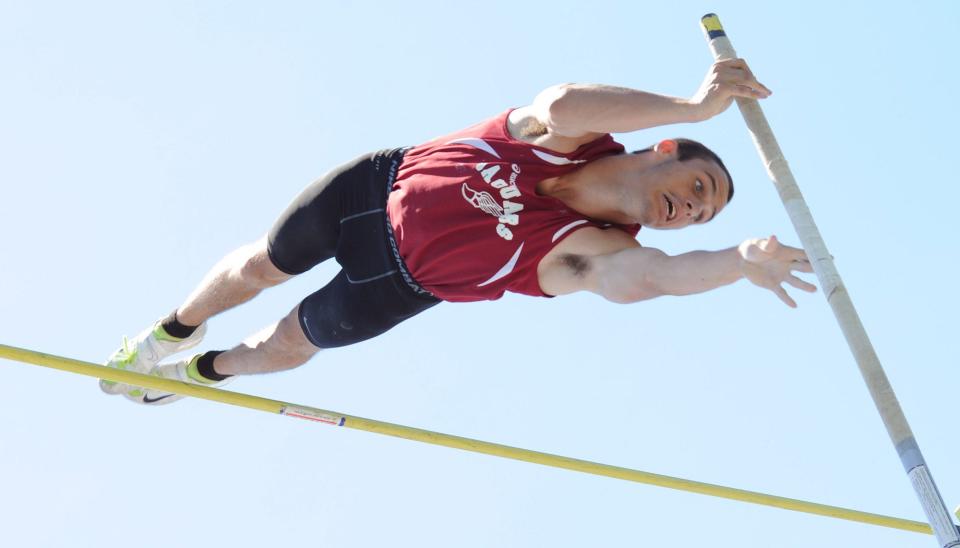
pixel 800 284
pixel 736 89
pixel 761 90
pixel 748 91
pixel 802 266
pixel 736 62
pixel 748 82
pixel 792 253
pixel 734 74
pixel 742 76
pixel 770 245
pixel 752 79
pixel 795 254
pixel 798 256
pixel 784 296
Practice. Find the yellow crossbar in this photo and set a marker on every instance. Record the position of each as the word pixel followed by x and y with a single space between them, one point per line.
pixel 467 444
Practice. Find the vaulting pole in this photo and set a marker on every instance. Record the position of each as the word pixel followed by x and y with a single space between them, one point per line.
pixel 437 438
pixel 886 401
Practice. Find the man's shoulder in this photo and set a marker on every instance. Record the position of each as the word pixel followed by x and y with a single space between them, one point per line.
pixel 594 240
pixel 565 269
pixel 523 124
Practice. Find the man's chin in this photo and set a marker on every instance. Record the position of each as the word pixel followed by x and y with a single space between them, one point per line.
pixel 655 224
pixel 660 226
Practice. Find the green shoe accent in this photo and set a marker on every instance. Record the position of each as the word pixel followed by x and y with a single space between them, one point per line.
pixel 136 393
pixel 194 374
pixel 129 356
pixel 161 334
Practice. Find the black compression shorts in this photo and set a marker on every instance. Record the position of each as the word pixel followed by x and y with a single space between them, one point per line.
pixel 343 215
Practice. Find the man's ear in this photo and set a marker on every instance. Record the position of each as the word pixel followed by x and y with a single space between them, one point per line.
pixel 666 146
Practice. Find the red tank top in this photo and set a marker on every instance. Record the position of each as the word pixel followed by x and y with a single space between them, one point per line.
pixel 466 216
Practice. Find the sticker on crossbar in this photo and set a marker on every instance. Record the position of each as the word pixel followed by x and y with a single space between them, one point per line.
pixel 312 415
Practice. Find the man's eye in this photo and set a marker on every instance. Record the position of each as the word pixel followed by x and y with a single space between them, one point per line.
pixel 698 186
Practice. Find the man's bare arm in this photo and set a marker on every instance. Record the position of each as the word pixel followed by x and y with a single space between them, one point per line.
pixel 578 110
pixel 584 110
pixel 637 273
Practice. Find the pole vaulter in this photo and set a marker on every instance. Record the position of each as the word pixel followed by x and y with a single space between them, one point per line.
pixel 940 521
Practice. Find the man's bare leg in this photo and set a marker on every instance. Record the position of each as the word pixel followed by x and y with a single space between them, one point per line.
pixel 278 347
pixel 237 278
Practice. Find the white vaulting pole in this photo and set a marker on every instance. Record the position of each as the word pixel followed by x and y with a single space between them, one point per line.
pixel 886 401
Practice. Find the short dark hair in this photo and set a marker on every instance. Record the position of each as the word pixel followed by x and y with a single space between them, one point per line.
pixel 688 149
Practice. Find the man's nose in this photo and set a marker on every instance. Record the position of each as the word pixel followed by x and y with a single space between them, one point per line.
pixel 694 208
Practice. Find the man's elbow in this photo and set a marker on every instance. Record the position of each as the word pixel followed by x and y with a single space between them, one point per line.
pixel 557 109
pixel 556 99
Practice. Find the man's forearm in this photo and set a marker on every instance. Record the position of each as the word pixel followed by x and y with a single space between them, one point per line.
pixel 695 272
pixel 575 109
pixel 641 273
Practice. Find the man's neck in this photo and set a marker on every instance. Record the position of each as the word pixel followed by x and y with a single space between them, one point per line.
pixel 595 190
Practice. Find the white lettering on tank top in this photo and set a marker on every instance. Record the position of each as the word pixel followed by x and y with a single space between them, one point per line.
pixel 507 212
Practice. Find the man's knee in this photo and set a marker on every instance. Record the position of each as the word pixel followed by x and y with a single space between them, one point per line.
pixel 291 342
pixel 257 269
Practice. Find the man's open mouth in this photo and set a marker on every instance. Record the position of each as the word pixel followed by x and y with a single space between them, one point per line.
pixel 671 209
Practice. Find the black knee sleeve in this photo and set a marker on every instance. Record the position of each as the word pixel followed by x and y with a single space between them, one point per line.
pixel 346 312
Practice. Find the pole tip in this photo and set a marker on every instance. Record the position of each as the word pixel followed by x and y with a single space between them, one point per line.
pixel 711 25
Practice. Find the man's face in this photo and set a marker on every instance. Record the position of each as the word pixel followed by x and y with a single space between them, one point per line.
pixel 672 194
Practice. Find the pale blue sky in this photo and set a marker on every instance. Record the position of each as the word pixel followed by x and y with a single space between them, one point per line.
pixel 141 141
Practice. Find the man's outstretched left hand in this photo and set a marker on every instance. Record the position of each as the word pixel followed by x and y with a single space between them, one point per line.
pixel 767 263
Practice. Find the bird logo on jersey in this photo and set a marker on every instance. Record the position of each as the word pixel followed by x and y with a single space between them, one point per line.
pixel 504 181
pixel 482 200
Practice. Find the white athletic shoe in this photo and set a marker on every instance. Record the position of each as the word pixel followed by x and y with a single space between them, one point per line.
pixel 176 371
pixel 144 352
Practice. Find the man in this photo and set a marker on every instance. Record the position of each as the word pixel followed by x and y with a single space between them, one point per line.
pixel 539 200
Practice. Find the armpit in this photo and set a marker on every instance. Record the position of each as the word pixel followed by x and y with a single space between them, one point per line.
pixel 578 265
pixel 531 127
